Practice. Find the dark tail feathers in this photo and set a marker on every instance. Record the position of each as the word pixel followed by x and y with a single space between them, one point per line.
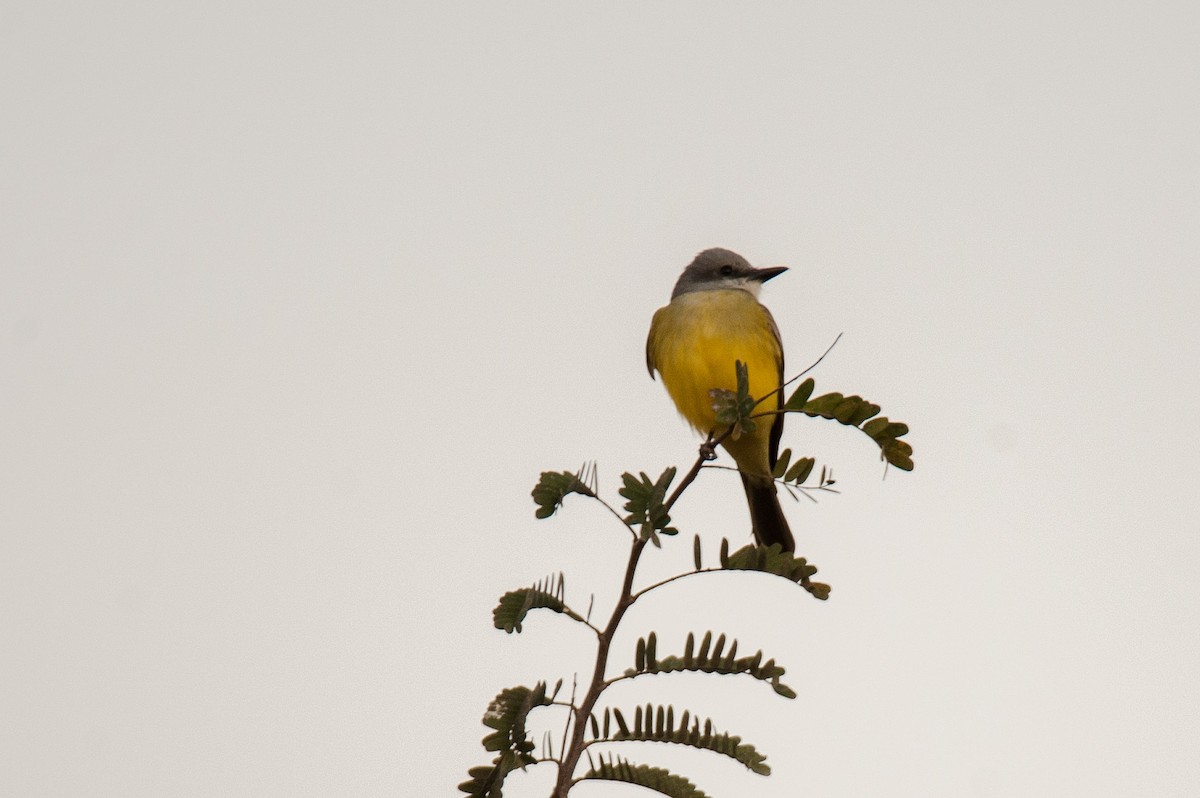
pixel 766 516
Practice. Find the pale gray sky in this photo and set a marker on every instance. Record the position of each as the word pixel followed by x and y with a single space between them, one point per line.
pixel 300 298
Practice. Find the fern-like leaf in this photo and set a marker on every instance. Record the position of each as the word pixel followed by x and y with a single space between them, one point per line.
pixel 774 560
pixel 854 411
pixel 553 487
pixel 658 779
pixel 506 714
pixel 657 724
pixel 712 659
pixel 487 781
pixel 734 408
pixel 644 503
pixel 510 612
pixel 793 473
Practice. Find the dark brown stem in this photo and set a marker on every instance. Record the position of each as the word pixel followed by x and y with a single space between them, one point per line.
pixel 574 748
pixel 707 450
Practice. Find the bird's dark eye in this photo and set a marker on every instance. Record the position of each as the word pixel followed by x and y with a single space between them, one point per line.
pixel 726 270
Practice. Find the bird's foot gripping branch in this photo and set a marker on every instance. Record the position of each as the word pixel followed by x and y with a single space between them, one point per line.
pixel 584 752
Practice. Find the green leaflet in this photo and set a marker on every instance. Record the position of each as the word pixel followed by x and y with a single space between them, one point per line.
pixel 657 724
pixel 854 411
pixel 709 658
pixel 515 604
pixel 734 408
pixel 793 473
pixel 658 779
pixel 645 503
pixel 506 714
pixel 773 560
pixel 554 486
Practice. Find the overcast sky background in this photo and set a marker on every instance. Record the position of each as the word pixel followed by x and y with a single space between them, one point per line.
pixel 298 299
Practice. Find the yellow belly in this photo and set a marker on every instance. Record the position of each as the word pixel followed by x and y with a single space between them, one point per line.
pixel 694 344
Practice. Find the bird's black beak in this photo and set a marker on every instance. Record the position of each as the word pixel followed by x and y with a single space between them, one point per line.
pixel 762 275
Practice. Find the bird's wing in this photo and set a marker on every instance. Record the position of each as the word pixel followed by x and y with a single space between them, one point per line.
pixel 650 365
pixel 777 425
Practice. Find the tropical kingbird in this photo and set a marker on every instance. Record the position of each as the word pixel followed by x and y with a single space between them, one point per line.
pixel 713 320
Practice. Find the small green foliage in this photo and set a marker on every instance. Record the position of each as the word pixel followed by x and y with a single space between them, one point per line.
pixel 546 594
pixel 898 453
pixel 553 487
pixel 800 395
pixel 793 473
pixel 711 659
pixel 774 560
pixel 781 463
pixel 657 724
pixel 854 411
pixel 506 714
pixel 799 471
pixel 886 434
pixel 733 408
pixel 645 506
pixel 658 779
pixel 487 781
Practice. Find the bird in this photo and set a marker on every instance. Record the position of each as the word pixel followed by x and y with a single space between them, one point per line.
pixel 713 320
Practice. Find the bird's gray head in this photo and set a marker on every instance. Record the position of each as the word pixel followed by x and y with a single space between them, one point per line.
pixel 717 268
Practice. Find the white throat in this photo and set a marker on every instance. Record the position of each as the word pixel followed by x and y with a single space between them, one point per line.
pixel 746 284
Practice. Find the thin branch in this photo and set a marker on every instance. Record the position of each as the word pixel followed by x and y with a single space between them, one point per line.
pixel 805 490
pixel 811 366
pixel 779 481
pixel 616 515
pixel 573 750
pixel 592 492
pixel 707 453
pixel 570 705
pixel 570 613
pixel 670 579
pixel 588 624
pixel 574 616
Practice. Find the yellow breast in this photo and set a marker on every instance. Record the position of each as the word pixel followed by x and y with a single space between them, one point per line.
pixel 695 341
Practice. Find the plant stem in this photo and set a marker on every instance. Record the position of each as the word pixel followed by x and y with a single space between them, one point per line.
pixel 574 748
